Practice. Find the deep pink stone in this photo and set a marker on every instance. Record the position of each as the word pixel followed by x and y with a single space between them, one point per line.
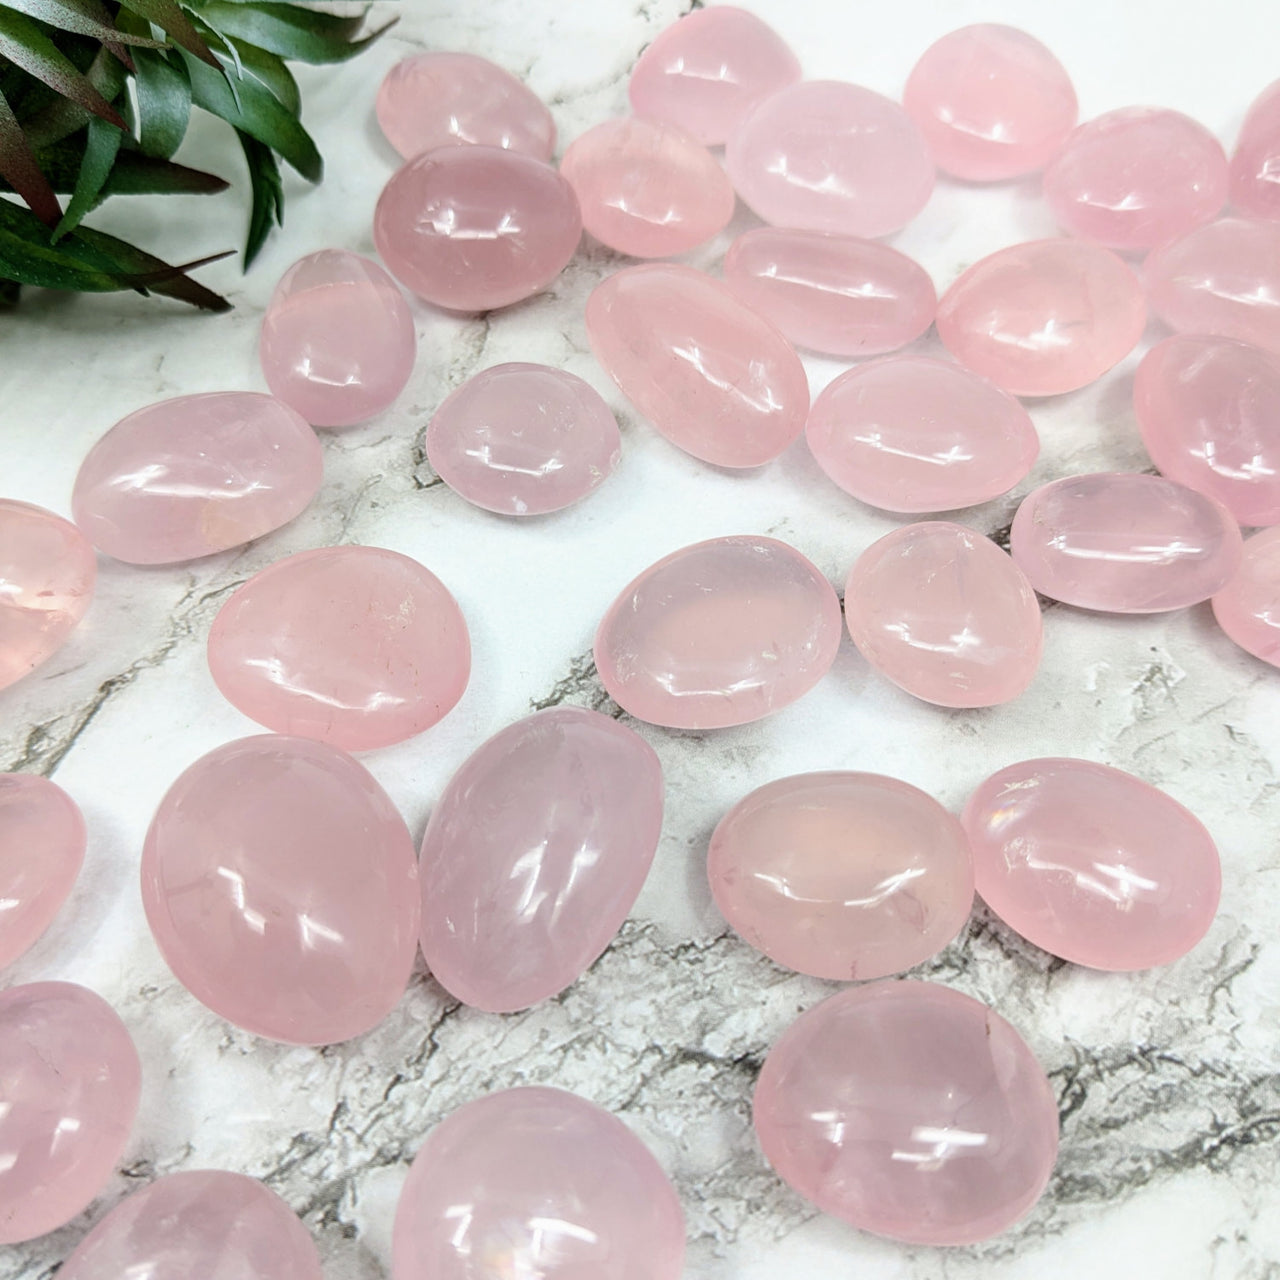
pixel 909 1110
pixel 1255 166
pixel 1248 607
pixel 69 1086
pixel 282 889
pixel 539 1183
pixel 719 633
pixel 1092 864
pixel 913 434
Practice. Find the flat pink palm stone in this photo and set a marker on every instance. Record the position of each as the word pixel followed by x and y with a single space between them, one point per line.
pixel 1248 607
pixel 1255 165
pixel 911 1111
pixel 1092 864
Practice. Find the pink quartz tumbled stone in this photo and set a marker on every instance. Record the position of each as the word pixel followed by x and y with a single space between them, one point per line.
pixel 473 228
pixel 281 887
pixel 1255 166
pixel 1248 607
pixel 713 376
pixel 1045 317
pixel 823 155
pixel 536 1182
pixel 913 434
pixel 719 633
pixel 69 1086
pixel 842 875
pixel 1092 864
pixel 909 1110
pixel 945 614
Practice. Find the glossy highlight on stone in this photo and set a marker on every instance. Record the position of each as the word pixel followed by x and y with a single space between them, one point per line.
pixel 909 1110
pixel 1248 607
pixel 1255 164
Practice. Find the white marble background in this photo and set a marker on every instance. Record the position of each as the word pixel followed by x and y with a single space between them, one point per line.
pixel 1169 1081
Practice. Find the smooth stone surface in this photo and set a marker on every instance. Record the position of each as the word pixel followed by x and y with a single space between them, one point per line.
pixel 281 887
pixel 712 375
pixel 1092 864
pixel 1248 607
pixel 913 434
pixel 474 228
pixel 823 155
pixel 1255 163
pixel 719 633
pixel 842 875
pixel 534 855
pixel 1043 318
pixel 909 1110
pixel 945 614
pixel 69 1084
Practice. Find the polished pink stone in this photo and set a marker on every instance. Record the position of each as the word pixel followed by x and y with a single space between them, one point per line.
pixel 536 1182
pixel 1248 607
pixel 47 575
pixel 823 155
pixel 909 1110
pixel 719 633
pixel 945 614
pixel 474 228
pixel 991 101
pixel 1045 317
pixel 1092 864
pixel 187 477
pixel 1255 166
pixel 282 889
pixel 713 376
pixel 69 1086
pixel 914 434
pixel 534 856
pixel 842 875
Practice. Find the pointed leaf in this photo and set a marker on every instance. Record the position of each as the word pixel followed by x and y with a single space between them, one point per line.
pixel 164 102
pixel 291 32
pixel 9 292
pixel 271 72
pixel 19 167
pixel 135 174
pixel 147 272
pixel 170 18
pixel 99 155
pixel 268 195
pixel 62 117
pixel 84 17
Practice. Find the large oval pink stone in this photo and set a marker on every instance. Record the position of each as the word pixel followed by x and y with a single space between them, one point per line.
pixel 1255 165
pixel 474 228
pixel 282 889
pixel 823 155
pixel 713 376
pixel 909 1110
pixel 553 1187
pixel 71 1080
pixel 1248 607
pixel 842 875
pixel 1092 864
pixel 945 614
pixel 913 434
pixel 719 633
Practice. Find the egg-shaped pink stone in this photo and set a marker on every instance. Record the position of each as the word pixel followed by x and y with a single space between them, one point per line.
pixel 1092 864
pixel 1045 317
pixel 1248 607
pixel 913 434
pixel 69 1086
pixel 474 228
pixel 1255 165
pixel 909 1110
pixel 536 1182
pixel 991 101
pixel 47 575
pixel 945 614
pixel 719 633
pixel 823 155
pixel 281 887
pixel 712 375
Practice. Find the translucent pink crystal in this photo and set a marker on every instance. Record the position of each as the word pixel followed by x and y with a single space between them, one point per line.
pixel 1092 864
pixel 909 1110
pixel 1255 166
pixel 1248 607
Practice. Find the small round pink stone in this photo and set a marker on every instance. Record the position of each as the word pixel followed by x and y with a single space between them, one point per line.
pixel 1248 607
pixel 1092 864
pixel 909 1110
pixel 1255 166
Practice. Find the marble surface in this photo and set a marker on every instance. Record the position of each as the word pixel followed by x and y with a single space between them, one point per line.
pixel 1169 1081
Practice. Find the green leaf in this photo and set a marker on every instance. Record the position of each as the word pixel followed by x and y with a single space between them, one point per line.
pixel 291 32
pixel 271 72
pixel 170 19
pixel 19 167
pixel 135 174
pixel 84 17
pixel 99 155
pixel 147 272
pixel 268 195
pixel 164 102
pixel 62 117
pixel 9 292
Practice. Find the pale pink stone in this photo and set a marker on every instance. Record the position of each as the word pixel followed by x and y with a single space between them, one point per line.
pixel 842 875
pixel 1045 317
pixel 474 228
pixel 1248 607
pixel 187 477
pixel 913 434
pixel 550 1186
pixel 828 156
pixel 738 401
pixel 282 889
pixel 719 633
pixel 69 1086
pixel 1092 864
pixel 1255 166
pixel 909 1110
pixel 945 614
pixel 534 856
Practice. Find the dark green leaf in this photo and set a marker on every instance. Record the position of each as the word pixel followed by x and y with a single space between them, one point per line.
pixel 170 18
pixel 99 155
pixel 84 17
pixel 291 32
pixel 62 118
pixel 268 195
pixel 9 292
pixel 164 102
pixel 135 174
pixel 270 71
pixel 148 272
pixel 19 167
